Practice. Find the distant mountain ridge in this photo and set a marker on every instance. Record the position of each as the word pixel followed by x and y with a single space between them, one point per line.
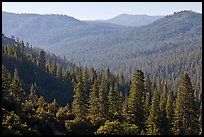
pixel 46 31
pixel 140 46
pixel 133 20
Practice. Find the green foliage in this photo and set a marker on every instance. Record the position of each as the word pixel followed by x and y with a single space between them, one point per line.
pixel 117 128
pixel 16 87
pixel 154 118
pixel 103 99
pixel 186 110
pixel 115 102
pixel 78 105
pixel 99 106
pixel 136 100
pixel 93 110
pixel 77 127
pixel 6 80
pixel 170 110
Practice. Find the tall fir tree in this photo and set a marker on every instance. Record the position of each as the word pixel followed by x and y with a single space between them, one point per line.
pixel 135 112
pixel 115 102
pixel 164 125
pixel 32 96
pixel 93 110
pixel 42 61
pixel 78 104
pixel 153 121
pixel 86 86
pixel 186 110
pixel 103 99
pixel 170 110
pixel 6 80
pixel 16 87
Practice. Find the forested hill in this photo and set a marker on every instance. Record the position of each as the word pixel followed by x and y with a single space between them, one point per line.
pixel 52 30
pixel 47 79
pixel 171 43
pixel 35 90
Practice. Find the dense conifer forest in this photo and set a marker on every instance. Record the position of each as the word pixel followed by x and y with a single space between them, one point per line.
pixel 43 94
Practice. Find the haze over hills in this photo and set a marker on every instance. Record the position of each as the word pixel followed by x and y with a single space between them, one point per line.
pixel 138 46
pixel 132 20
pixel 46 31
pixel 107 45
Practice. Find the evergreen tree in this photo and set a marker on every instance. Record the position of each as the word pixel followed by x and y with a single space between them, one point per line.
pixel 78 104
pixel 86 86
pixel 103 100
pixel 164 125
pixel 16 87
pixel 41 102
pixel 115 101
pixel 6 80
pixel 32 96
pixel 186 111
pixel 135 101
pixel 170 110
pixel 92 77
pixel 52 108
pixel 125 108
pixel 93 110
pixel 147 105
pixel 42 61
pixel 153 121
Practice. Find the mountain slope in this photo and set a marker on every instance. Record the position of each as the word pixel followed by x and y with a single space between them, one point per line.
pixel 169 44
pixel 133 20
pixel 47 31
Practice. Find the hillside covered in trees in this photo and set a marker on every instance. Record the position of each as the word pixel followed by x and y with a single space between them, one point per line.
pixel 44 94
pixel 173 42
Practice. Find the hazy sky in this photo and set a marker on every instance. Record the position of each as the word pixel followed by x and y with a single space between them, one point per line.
pixel 100 10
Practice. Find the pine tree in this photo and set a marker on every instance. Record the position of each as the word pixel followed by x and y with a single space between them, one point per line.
pixel 125 108
pixel 115 101
pixel 32 96
pixel 103 100
pixel 164 125
pixel 186 111
pixel 86 86
pixel 78 104
pixel 52 108
pixel 16 87
pixel 170 110
pixel 6 80
pixel 148 97
pixel 135 100
pixel 42 61
pixel 147 105
pixel 93 75
pixel 93 110
pixel 41 102
pixel 153 121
